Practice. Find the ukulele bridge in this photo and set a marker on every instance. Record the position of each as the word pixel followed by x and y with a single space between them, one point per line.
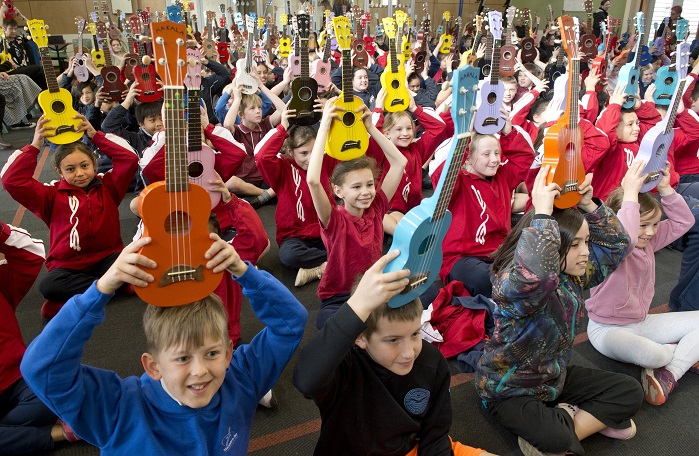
pixel 65 129
pixel 397 101
pixel 652 177
pixel 180 273
pixel 415 281
pixel 570 186
pixel 347 145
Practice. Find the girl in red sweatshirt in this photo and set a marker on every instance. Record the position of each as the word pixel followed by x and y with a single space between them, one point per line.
pixel 81 209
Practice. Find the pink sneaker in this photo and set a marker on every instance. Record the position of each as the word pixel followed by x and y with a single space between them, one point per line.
pixel 620 434
pixel 68 432
pixel 657 384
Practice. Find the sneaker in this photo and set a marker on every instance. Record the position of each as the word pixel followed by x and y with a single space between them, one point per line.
pixel 23 125
pixel 68 432
pixel 620 434
pixel 269 400
pixel 530 450
pixel 426 180
pixel 571 409
pixel 657 384
pixel 695 368
pixel 308 275
pixel 4 145
pixel 49 309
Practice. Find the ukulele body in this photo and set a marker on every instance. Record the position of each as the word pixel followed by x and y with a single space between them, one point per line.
pixel 295 64
pixel 98 58
pixel 243 79
pixel 629 75
pixel 180 278
pixel 201 170
pixel 80 70
pixel 284 47
pixel 397 96
pixel 131 61
pixel 528 50
pixel 419 58
pixel 665 84
pixel 600 64
pixel 588 47
pixel 507 60
pixel 304 91
pixel 223 52
pixel 58 107
pixel 347 137
pixel 446 44
pixel 320 71
pixel 487 119
pixel 361 57
pixel 112 86
pixel 145 75
pixel 562 152
pixel 653 150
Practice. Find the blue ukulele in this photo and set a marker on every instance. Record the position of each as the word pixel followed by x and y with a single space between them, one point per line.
pixel 630 73
pixel 656 142
pixel 420 233
pixel 667 77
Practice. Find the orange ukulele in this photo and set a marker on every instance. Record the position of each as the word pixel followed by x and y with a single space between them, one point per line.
pixel 563 141
pixel 175 212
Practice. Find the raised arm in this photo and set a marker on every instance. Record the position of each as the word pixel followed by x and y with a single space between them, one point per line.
pixel 393 155
pixel 321 202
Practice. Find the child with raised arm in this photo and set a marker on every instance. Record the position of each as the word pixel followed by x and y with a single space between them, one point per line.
pixel 665 345
pixel 81 209
pixel 380 388
pixel 353 231
pixel 197 395
pixel 539 274
pixel 298 231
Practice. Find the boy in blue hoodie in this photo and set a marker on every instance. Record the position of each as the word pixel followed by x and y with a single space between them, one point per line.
pixel 197 395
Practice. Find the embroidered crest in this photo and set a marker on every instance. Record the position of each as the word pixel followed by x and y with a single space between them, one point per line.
pixel 416 401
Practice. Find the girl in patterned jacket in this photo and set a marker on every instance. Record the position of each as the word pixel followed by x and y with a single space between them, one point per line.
pixel 539 275
pixel 298 231
pixel 81 209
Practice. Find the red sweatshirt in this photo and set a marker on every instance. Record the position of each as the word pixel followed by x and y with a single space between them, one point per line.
pixel 230 154
pixel 409 192
pixel 296 216
pixel 686 143
pixel 84 225
pixel 23 259
pixel 481 208
pixel 610 167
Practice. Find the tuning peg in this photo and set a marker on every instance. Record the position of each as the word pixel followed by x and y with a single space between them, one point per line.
pixel 146 60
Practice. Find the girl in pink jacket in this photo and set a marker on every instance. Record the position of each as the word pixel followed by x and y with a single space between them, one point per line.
pixel 664 345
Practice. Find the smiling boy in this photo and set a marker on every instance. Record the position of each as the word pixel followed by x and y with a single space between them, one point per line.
pixel 380 388
pixel 197 395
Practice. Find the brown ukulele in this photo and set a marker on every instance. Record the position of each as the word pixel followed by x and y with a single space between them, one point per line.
pixel 111 74
pixel 175 212
pixel 508 52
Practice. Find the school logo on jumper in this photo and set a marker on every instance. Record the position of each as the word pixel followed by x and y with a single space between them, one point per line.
pixel 629 157
pixel 299 193
pixel 74 204
pixel 416 401
pixel 481 231
pixel 228 440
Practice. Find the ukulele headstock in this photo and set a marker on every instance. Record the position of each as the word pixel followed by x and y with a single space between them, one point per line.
pixel 343 32
pixel 389 27
pixel 169 51
pixel 400 19
pixel 37 29
pixel 134 23
pixel 304 24
pixel 495 24
pixel 192 79
pixel 101 28
pixel 465 88
pixel 640 23
pixel 80 22
pixel 569 39
pixel 174 13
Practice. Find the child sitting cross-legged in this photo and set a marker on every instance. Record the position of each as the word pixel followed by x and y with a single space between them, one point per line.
pixel 197 395
pixel 380 388
pixel 665 345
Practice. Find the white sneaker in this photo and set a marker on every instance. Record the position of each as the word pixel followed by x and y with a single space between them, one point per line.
pixel 269 400
pixel 308 275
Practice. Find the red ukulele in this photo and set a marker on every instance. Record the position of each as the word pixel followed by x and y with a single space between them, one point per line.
pixel 144 73
pixel 175 212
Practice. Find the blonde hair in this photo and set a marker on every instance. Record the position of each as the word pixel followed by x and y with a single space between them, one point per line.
pixel 186 326
pixel 476 140
pixel 250 101
pixel 392 118
pixel 409 312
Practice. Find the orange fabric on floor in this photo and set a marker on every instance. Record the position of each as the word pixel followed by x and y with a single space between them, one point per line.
pixel 458 448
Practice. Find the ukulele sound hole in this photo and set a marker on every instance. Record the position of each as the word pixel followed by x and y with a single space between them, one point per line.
pixel 570 152
pixel 660 150
pixel 358 48
pixel 132 62
pixel 426 245
pixel 111 77
pixel 395 84
pixel 145 77
pixel 669 81
pixel 348 118
pixel 492 96
pixel 195 170
pixel 178 223
pixel 305 94
pixel 588 43
pixel 58 107
pixel 528 46
pixel 633 80
pixel 507 55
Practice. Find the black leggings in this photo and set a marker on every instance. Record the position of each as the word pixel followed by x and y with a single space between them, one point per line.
pixel 62 284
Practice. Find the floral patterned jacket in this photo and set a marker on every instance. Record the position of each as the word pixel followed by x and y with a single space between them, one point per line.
pixel 539 308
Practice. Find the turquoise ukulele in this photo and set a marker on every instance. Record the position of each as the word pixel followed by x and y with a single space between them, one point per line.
pixel 420 233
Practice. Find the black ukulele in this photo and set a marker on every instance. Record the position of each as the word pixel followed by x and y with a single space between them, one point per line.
pixel 304 89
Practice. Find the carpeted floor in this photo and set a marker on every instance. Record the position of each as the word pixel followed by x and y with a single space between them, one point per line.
pixel 292 428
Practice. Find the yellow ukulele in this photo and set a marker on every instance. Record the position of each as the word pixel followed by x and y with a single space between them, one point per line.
pixel 393 77
pixel 96 52
pixel 446 36
pixel 56 103
pixel 347 138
